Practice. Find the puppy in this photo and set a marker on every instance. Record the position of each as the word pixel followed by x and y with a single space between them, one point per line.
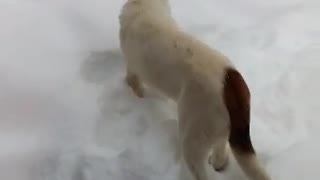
pixel 212 97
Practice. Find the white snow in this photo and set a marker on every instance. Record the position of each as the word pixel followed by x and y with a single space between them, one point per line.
pixel 66 114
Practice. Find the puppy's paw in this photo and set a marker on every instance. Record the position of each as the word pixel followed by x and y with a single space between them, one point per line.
pixel 136 86
pixel 219 164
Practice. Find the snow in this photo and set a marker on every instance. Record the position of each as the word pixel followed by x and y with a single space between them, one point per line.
pixel 66 114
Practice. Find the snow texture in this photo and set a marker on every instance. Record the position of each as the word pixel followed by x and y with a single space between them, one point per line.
pixel 66 113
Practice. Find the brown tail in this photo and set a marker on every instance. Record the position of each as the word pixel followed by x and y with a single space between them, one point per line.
pixel 237 100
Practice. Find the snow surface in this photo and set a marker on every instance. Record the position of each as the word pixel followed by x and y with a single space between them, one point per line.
pixel 66 114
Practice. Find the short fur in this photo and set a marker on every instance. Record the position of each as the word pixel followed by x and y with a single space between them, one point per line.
pixel 212 97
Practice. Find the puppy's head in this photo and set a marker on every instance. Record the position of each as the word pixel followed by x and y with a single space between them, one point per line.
pixel 133 11
pixel 156 7
pixel 155 3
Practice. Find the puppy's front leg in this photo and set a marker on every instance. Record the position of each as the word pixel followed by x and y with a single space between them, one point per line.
pixel 134 82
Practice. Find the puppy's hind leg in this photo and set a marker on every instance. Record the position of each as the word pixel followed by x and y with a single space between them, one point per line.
pixel 195 155
pixel 219 158
pixel 195 140
pixel 134 82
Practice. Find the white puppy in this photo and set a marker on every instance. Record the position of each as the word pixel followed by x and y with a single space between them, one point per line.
pixel 212 97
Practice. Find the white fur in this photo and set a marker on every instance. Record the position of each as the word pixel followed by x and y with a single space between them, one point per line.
pixel 186 70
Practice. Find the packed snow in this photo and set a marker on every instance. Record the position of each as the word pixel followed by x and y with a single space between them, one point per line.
pixel 66 113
